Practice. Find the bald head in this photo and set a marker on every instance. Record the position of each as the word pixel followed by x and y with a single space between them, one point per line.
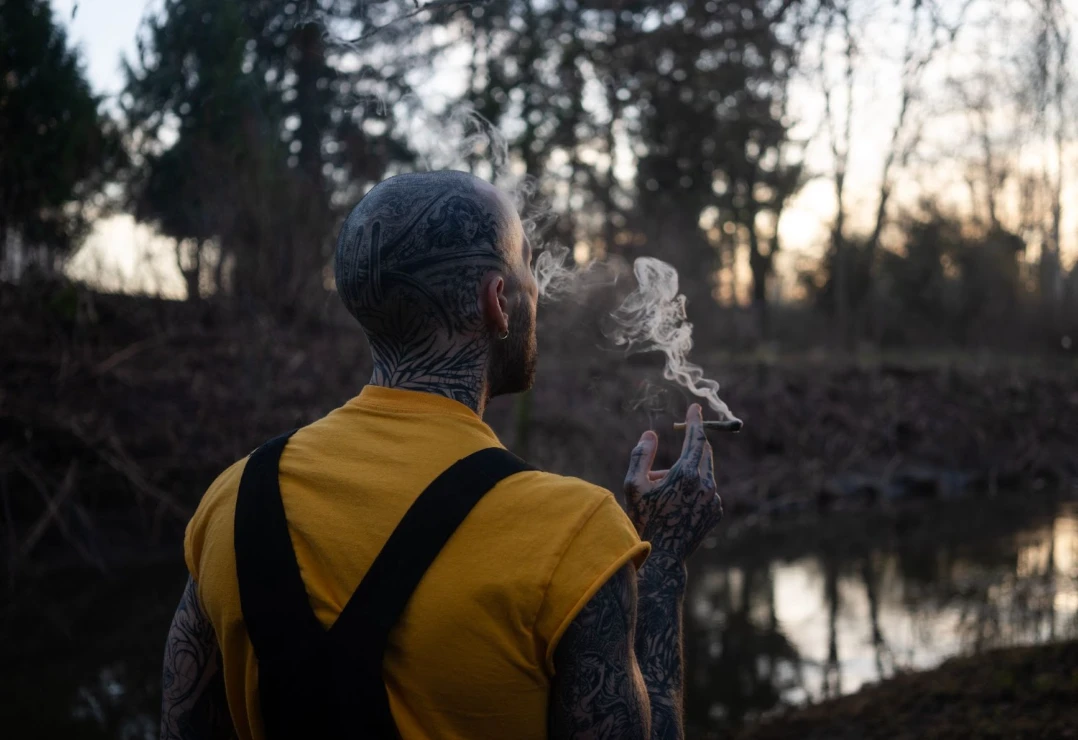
pixel 435 266
pixel 416 247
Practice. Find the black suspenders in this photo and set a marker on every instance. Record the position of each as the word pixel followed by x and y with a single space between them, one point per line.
pixel 315 682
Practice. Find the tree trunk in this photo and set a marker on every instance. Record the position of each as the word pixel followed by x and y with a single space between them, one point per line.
pixel 219 273
pixel 761 269
pixel 1051 291
pixel 3 246
pixel 310 69
pixel 841 278
pixel 192 272
pixel 840 152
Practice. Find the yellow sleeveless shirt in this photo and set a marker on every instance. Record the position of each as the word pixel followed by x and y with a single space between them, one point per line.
pixel 472 656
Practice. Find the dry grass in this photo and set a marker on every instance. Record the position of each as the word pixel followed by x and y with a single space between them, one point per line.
pixel 1014 693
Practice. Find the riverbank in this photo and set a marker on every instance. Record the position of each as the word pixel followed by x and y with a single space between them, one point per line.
pixel 116 413
pixel 1013 693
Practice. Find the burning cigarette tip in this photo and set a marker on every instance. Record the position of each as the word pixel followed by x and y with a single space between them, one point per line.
pixel 728 425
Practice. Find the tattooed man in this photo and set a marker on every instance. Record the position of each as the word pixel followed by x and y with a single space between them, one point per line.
pixel 554 610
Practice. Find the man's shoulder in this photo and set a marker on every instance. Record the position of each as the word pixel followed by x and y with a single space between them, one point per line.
pixel 225 486
pixel 561 501
pixel 213 516
pixel 564 487
pixel 224 489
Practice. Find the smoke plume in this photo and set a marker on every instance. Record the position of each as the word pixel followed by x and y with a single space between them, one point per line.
pixel 652 318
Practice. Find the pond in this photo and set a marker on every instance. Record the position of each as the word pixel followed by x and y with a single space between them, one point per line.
pixel 773 618
pixel 819 611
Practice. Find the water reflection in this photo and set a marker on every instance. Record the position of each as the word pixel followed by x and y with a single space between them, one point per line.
pixel 779 619
pixel 764 632
pixel 117 703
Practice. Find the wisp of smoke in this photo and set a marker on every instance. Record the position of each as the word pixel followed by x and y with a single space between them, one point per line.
pixel 551 273
pixel 458 138
pixel 462 137
pixel 652 318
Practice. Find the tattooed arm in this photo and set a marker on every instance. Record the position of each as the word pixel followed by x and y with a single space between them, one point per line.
pixel 193 689
pixel 658 641
pixel 621 638
pixel 598 691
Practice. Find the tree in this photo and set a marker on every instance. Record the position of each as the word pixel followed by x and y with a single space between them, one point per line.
pixel 1049 97
pixel 842 258
pixel 927 32
pixel 707 88
pixel 58 149
pixel 254 130
pixel 950 281
pixel 693 91
pixel 761 166
pixel 536 90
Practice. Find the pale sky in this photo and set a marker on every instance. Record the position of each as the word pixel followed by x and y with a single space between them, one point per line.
pixel 104 30
pixel 119 254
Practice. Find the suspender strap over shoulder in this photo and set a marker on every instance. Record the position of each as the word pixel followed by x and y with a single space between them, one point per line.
pixel 317 681
pixel 270 585
pixel 418 539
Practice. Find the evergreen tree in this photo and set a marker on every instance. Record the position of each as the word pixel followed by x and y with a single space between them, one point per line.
pixel 57 149
pixel 252 136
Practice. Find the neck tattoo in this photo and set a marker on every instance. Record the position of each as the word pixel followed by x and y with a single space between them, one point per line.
pixel 456 371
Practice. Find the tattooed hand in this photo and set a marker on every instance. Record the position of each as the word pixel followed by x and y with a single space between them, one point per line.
pixel 674 509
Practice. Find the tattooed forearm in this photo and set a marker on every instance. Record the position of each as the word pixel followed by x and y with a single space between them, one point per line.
pixel 674 510
pixel 193 702
pixel 598 692
pixel 658 641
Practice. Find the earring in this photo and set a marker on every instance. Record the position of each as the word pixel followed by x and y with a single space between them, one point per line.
pixel 504 334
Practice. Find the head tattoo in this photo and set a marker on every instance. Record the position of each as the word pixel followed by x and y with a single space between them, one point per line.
pixel 409 263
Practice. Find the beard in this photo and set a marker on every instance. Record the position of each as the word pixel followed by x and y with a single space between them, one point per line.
pixel 513 359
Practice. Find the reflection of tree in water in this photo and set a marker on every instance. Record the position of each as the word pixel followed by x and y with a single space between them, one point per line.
pixel 962 584
pixel 739 663
pixel 120 704
pixel 1002 589
pixel 871 567
pixel 832 671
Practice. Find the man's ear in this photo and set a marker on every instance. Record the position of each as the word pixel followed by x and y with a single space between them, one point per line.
pixel 494 304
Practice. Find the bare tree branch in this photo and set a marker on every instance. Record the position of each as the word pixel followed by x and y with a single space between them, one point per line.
pixel 451 5
pixel 781 11
pixel 903 142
